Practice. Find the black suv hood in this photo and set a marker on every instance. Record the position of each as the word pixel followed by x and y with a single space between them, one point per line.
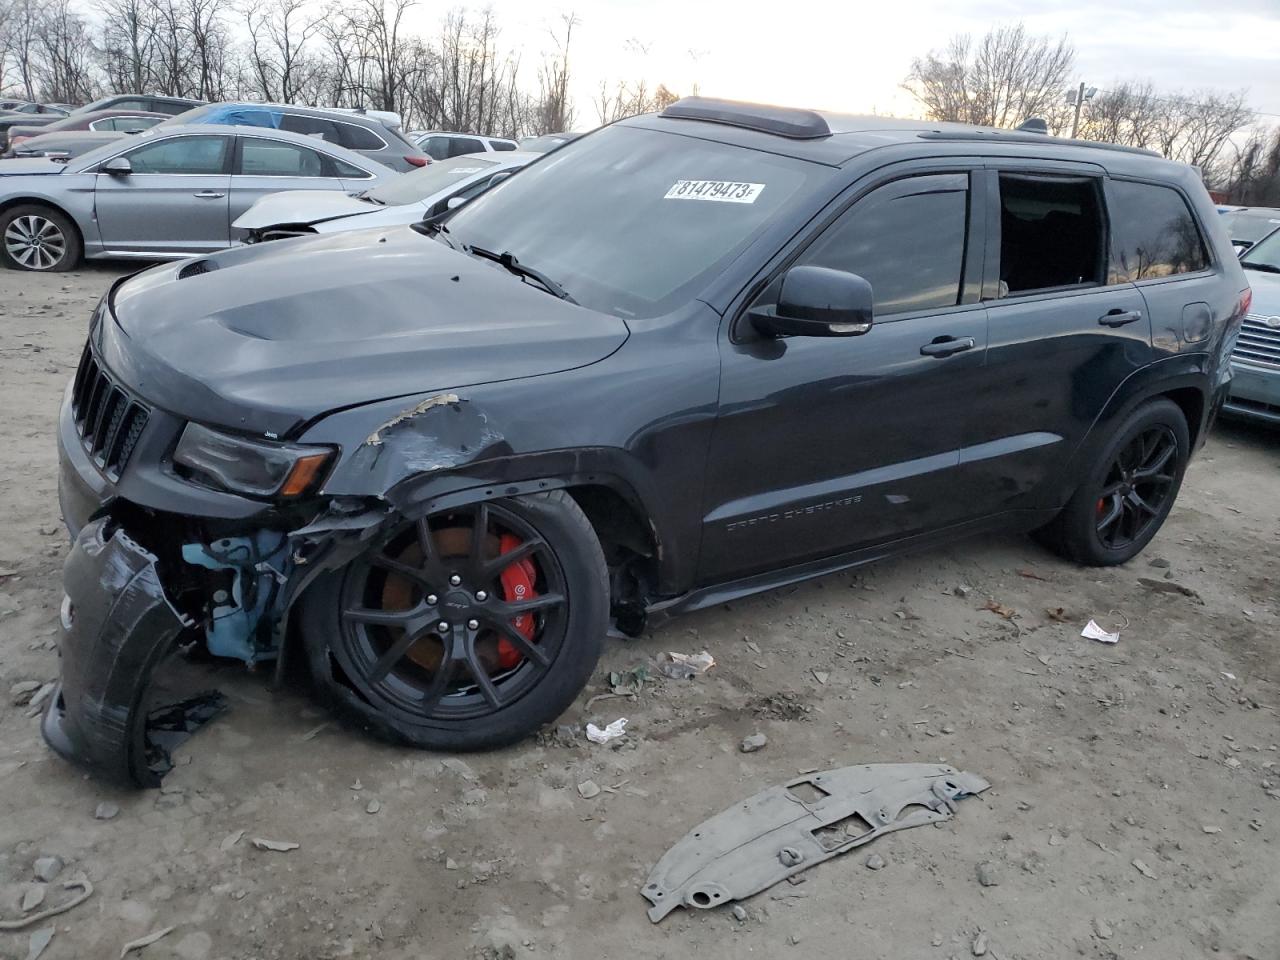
pixel 273 335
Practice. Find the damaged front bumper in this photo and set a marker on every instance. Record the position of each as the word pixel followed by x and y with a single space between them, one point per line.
pixel 117 627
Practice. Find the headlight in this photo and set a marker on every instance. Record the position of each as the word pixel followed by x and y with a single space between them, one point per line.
pixel 251 467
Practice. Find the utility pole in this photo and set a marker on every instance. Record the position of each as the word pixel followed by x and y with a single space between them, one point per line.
pixel 1078 97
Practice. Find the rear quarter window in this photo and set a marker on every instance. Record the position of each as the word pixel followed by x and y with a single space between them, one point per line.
pixel 1153 233
pixel 356 137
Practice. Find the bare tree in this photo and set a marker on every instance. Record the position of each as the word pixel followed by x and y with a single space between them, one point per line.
pixel 1003 79
pixel 555 108
pixel 1251 175
pixel 64 69
pixel 279 33
pixel 630 100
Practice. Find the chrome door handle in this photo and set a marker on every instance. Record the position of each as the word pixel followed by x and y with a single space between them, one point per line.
pixel 209 195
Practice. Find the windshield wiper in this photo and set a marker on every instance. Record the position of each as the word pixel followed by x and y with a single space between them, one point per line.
pixel 1265 267
pixel 364 195
pixel 507 259
pixel 432 227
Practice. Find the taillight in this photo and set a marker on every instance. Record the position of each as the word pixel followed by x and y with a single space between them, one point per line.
pixel 14 141
pixel 1246 301
pixel 418 161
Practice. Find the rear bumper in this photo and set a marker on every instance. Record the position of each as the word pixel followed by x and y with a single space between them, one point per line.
pixel 1255 393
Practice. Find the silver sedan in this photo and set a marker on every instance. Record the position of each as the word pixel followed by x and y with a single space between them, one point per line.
pixel 167 193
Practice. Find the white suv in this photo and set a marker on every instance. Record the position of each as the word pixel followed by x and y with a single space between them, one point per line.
pixel 439 145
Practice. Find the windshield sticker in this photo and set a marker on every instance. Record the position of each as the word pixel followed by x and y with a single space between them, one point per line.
pixel 719 191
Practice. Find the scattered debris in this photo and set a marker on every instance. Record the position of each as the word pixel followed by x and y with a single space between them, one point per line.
pixel 1059 614
pixel 588 789
pixel 875 862
pixel 962 590
pixel 1160 563
pixel 106 810
pixel 628 682
pixel 33 897
pixel 1102 928
pixel 611 732
pixel 373 806
pixel 1143 869
pixel 356 784
pixel 1168 586
pixel 771 836
pixel 1209 829
pixel 740 913
pixel 146 941
pixel 1031 575
pixel 684 666
pixel 47 868
pixel 279 846
pixel 821 676
pixel 754 742
pixel 38 942
pixel 987 875
pixel 980 944
pixel 23 691
pixel 36 701
pixel 86 891
pixel 313 732
pixel 1092 631
pixel 230 840
pixel 1000 610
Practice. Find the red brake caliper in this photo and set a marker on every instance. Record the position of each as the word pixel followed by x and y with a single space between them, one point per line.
pixel 517 584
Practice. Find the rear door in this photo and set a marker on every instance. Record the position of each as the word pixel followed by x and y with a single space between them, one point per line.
pixel 173 203
pixel 264 165
pixel 826 445
pixel 1064 331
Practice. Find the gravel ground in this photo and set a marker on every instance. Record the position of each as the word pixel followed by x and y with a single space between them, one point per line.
pixel 1160 750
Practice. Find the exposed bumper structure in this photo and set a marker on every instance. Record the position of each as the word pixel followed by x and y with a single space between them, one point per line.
pixel 1255 393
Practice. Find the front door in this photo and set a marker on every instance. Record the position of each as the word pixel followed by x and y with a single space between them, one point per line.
pixel 174 200
pixel 824 445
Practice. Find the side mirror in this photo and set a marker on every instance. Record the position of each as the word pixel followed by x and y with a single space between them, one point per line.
pixel 117 167
pixel 455 202
pixel 818 302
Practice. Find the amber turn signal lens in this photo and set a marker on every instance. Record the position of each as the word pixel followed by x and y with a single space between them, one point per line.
pixel 303 475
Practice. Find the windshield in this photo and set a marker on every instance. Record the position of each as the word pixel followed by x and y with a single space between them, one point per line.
pixel 631 221
pixel 1251 225
pixel 416 185
pixel 1265 254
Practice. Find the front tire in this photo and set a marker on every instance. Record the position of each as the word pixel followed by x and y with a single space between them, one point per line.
pixel 38 238
pixel 1129 491
pixel 465 630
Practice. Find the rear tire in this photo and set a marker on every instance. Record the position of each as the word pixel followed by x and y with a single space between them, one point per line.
pixel 1129 491
pixel 38 238
pixel 415 640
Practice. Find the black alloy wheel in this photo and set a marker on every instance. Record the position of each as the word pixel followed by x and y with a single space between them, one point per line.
pixel 465 629
pixel 1141 479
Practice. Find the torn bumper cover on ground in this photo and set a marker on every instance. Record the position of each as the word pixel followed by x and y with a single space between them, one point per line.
pixel 117 627
pixel 784 830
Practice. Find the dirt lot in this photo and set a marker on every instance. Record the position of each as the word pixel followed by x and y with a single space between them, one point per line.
pixel 1163 749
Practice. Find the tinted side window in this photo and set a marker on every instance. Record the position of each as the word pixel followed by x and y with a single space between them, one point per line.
pixel 189 155
pixel 131 105
pixel 501 145
pixel 311 126
pixel 346 170
pixel 1051 233
pixel 1153 233
pixel 906 238
pixel 437 148
pixel 356 137
pixel 461 145
pixel 157 106
pixel 273 158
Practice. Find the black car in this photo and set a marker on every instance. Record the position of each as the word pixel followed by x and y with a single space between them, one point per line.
pixel 683 359
pixel 146 103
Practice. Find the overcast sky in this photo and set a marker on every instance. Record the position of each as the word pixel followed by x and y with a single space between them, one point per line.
pixel 851 55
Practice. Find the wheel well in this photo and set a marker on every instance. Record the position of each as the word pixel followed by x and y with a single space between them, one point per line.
pixel 628 539
pixel 1191 402
pixel 47 204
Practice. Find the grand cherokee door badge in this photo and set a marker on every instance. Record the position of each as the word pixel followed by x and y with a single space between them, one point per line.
pixel 786 829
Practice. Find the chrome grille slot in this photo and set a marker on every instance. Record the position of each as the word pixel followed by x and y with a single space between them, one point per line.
pixel 108 418
pixel 1257 342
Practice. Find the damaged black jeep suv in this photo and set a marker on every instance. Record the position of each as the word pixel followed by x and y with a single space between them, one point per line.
pixel 685 358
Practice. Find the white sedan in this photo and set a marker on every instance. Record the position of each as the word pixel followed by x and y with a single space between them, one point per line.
pixel 408 198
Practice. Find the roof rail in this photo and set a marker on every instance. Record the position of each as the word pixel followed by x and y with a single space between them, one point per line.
pixel 779 121
pixel 1016 136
